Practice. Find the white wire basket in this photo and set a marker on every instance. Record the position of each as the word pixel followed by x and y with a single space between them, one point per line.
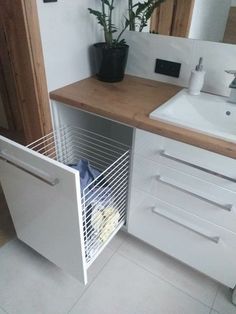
pixel 104 199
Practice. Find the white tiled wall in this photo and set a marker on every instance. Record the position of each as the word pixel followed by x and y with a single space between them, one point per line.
pixel 145 48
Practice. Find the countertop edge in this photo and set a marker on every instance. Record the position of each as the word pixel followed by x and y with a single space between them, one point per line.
pixel 142 121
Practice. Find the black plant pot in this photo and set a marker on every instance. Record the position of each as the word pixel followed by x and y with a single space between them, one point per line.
pixel 111 62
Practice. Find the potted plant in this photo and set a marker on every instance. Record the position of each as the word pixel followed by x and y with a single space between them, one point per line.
pixel 112 54
pixel 140 13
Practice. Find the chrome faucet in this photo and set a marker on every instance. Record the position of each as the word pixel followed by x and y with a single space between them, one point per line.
pixel 232 97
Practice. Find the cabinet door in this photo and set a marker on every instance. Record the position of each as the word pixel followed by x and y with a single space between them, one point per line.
pixel 43 196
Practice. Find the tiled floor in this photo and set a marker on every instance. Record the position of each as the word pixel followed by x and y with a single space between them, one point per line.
pixel 128 278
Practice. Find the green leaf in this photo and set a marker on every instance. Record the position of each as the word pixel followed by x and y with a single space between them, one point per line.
pixel 100 17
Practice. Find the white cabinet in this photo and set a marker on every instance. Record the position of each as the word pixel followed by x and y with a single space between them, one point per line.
pixel 68 223
pixel 183 201
pixel 182 198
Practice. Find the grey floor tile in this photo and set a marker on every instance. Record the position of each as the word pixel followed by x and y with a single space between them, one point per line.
pixel 223 301
pixel 117 241
pixel 2 311
pixel 181 276
pixel 29 284
pixel 123 287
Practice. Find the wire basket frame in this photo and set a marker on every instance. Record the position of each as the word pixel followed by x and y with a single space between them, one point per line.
pixel 104 200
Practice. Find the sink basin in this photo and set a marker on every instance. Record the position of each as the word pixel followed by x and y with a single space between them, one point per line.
pixel 206 113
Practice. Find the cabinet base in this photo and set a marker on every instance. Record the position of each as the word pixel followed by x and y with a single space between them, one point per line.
pixel 234 296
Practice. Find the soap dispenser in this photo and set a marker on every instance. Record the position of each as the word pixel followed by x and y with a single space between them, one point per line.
pixel 197 79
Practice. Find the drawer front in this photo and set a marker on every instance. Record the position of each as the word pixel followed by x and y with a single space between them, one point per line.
pixel 193 160
pixel 200 197
pixel 201 245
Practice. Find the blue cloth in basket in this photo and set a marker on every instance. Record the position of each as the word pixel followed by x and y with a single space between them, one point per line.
pixel 99 190
pixel 87 173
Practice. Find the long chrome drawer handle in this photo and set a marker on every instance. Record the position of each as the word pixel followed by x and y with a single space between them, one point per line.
pixel 28 169
pixel 164 154
pixel 182 223
pixel 227 207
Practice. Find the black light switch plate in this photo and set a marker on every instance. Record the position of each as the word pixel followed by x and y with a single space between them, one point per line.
pixel 46 1
pixel 167 67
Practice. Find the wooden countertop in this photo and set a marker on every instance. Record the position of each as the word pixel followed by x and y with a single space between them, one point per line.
pixel 130 102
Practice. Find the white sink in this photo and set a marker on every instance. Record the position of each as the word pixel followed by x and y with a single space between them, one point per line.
pixel 206 113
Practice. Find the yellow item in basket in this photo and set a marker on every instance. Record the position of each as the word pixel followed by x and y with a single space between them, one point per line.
pixel 105 222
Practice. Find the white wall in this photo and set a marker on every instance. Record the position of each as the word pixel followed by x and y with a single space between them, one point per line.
pixel 145 48
pixel 3 119
pixel 67 32
pixel 233 4
pixel 209 19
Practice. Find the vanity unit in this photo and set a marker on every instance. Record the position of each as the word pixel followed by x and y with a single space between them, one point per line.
pixel 176 196
pixel 183 202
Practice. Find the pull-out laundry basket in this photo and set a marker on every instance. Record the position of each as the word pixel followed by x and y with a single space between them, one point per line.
pixel 53 210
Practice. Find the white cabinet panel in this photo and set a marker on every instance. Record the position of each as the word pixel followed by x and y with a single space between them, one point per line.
pixel 183 201
pixel 46 217
pixel 154 147
pixel 200 197
pixel 204 246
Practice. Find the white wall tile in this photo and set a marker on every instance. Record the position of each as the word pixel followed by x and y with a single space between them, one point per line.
pixel 145 48
pixel 217 58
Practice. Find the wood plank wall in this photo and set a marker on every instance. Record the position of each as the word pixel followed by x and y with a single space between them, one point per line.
pixel 21 29
pixel 230 32
pixel 173 17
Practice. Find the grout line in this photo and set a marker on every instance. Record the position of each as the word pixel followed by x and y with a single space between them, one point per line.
pixel 93 280
pixel 165 280
pixel 211 312
pixel 90 284
pixel 122 242
pixel 212 306
pixel 1 308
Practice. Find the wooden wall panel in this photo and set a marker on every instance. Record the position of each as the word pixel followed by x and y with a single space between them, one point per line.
pixel 230 32
pixel 20 22
pixel 31 18
pixel 154 21
pixel 8 86
pixel 182 18
pixel 166 17
pixel 172 18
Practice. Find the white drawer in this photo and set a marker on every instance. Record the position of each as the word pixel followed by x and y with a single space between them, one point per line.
pixel 201 245
pixel 191 159
pixel 65 222
pixel 200 197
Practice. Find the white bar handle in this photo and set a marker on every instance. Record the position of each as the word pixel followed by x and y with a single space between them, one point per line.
pixel 185 225
pixel 164 154
pixel 28 169
pixel 227 207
